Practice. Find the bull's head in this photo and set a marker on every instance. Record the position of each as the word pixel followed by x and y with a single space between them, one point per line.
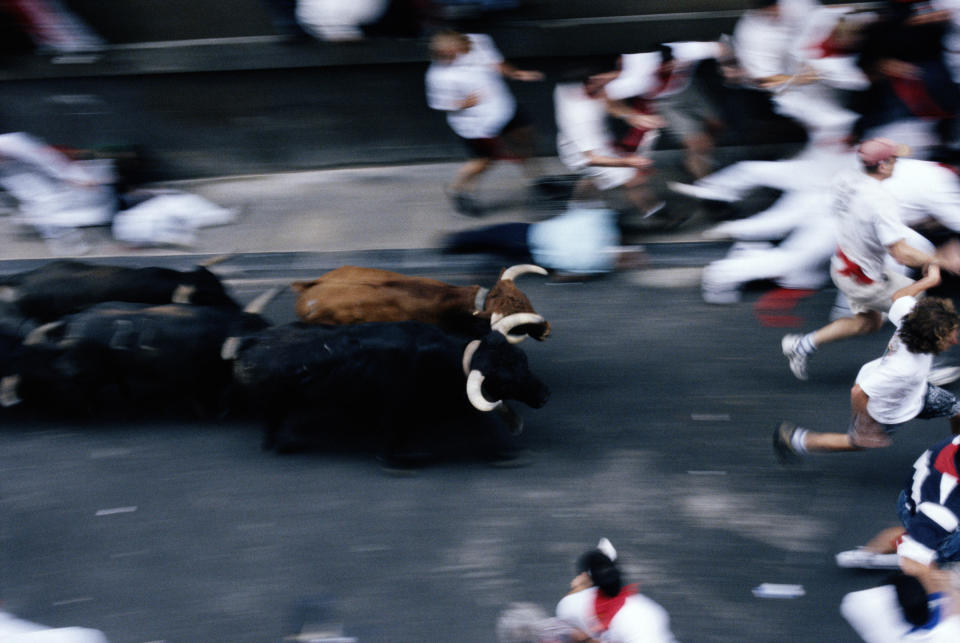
pixel 509 308
pixel 496 370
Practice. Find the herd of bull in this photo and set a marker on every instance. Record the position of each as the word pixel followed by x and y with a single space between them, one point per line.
pixel 373 350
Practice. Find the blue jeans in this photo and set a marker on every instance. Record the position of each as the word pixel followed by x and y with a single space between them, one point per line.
pixel 948 550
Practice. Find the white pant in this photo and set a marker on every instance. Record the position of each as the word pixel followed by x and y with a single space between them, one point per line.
pixel 813 169
pixel 799 261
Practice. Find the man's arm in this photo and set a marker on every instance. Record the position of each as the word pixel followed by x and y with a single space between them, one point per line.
pixel 634 161
pixel 930 279
pixel 905 254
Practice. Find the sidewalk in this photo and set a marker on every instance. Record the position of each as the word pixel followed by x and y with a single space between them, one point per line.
pixel 357 212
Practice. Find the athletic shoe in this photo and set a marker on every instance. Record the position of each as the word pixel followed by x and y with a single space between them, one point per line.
pixel 719 295
pixel 701 192
pixel 798 361
pixel 783 445
pixel 861 558
pixel 466 204
pixel 943 375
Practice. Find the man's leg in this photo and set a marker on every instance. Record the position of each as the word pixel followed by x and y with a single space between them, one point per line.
pixel 798 348
pixel 462 189
pixel 791 442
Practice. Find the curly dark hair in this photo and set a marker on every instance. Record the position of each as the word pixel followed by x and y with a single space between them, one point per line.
pixel 928 324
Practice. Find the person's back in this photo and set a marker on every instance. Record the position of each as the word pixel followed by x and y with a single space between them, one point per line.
pixel 639 618
pixel 868 221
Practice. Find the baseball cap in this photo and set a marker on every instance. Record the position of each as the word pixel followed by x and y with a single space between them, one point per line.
pixel 875 150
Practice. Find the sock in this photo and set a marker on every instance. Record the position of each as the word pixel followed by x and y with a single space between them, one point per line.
pixel 806 344
pixel 797 440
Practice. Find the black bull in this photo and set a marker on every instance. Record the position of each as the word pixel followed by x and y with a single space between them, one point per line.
pixel 313 383
pixel 127 356
pixel 63 287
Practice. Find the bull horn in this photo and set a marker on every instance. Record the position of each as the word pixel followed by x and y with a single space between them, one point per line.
pixel 513 272
pixel 468 355
pixel 182 294
pixel 508 323
pixel 230 348
pixel 212 261
pixel 257 305
pixel 39 334
pixel 8 390
pixel 475 393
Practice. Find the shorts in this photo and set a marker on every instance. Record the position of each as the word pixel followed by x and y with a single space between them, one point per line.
pixel 876 296
pixel 866 432
pixel 493 147
pixel 687 112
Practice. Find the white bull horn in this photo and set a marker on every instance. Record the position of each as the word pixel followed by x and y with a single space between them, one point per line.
pixel 475 393
pixel 508 323
pixel 8 390
pixel 257 305
pixel 468 355
pixel 230 348
pixel 39 334
pixel 522 269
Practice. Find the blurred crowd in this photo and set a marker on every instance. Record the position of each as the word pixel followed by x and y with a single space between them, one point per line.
pixel 870 202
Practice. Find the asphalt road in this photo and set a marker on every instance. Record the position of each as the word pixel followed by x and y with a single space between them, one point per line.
pixel 657 436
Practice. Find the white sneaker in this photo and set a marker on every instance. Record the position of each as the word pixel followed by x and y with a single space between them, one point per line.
pixel 701 192
pixel 713 294
pixel 943 375
pixel 798 361
pixel 861 558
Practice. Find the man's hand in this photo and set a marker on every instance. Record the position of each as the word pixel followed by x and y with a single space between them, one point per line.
pixel 645 121
pixel 526 75
pixel 470 101
pixel 899 69
pixel 638 162
pixel 948 256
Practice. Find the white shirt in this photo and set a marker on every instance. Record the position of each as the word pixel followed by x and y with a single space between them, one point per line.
pixel 876 616
pixel 836 70
pixel 638 74
pixel 640 620
pixel 764 44
pixel 868 218
pixel 475 72
pixel 581 126
pixel 579 241
pixel 925 189
pixel 896 382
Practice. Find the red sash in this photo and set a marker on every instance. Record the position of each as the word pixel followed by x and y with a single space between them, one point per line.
pixel 606 607
pixel 852 270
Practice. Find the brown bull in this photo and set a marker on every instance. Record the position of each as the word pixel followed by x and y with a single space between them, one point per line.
pixel 350 295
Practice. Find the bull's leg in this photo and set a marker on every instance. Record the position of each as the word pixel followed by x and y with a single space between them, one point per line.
pixel 511 417
pixel 396 452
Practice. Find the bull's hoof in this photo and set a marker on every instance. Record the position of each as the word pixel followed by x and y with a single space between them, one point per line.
pixel 511 460
pixel 398 467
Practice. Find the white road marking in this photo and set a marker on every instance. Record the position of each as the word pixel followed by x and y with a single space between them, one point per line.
pixel 777 590
pixel 71 601
pixel 116 510
pixel 710 417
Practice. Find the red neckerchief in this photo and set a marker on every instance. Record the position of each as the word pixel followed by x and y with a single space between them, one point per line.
pixel 606 607
pixel 827 48
pixel 944 462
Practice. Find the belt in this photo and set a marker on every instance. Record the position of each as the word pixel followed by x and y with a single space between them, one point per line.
pixel 852 270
